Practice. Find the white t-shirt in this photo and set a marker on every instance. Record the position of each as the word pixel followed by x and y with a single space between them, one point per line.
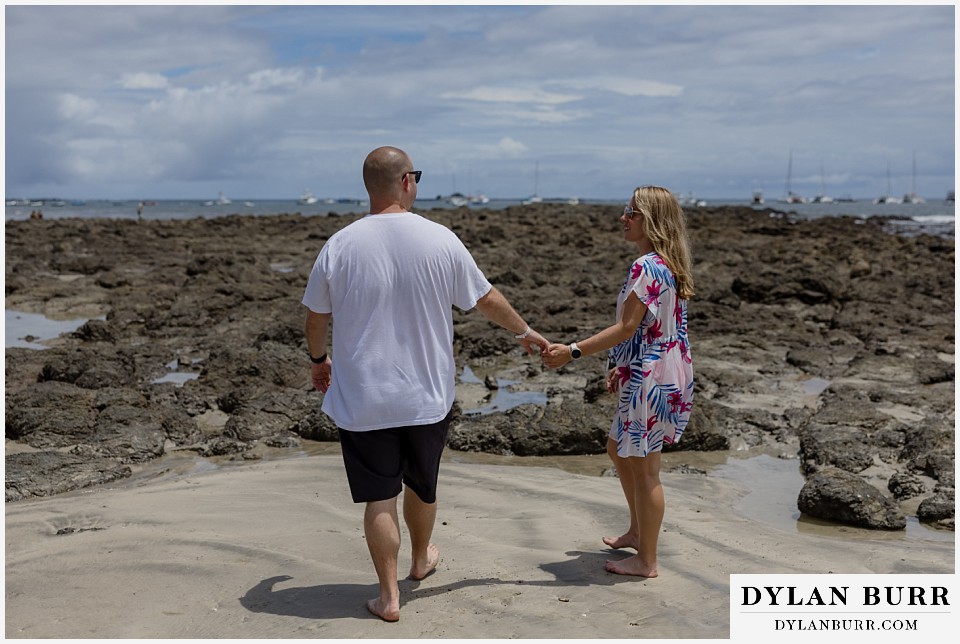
pixel 390 281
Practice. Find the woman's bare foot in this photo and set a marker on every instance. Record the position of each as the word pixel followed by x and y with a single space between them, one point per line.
pixel 390 613
pixel 421 570
pixel 626 540
pixel 632 566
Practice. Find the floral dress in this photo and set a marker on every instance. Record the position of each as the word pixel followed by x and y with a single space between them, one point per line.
pixel 654 367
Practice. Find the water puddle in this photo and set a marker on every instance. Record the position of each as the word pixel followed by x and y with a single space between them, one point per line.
pixel 29 330
pixel 178 378
pixel 504 396
pixel 774 485
pixel 815 386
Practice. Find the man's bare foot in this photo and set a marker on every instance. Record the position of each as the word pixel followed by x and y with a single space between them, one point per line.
pixel 632 566
pixel 626 540
pixel 422 570
pixel 389 614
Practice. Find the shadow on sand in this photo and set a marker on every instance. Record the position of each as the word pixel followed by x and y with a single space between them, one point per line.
pixel 333 601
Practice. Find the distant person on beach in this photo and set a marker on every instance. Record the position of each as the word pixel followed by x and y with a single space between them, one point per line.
pixel 649 365
pixel 387 283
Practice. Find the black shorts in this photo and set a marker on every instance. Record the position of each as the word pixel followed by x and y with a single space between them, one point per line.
pixel 381 461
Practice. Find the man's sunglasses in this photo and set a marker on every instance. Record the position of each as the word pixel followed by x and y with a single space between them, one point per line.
pixel 416 175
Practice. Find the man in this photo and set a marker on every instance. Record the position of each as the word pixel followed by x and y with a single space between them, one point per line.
pixel 388 282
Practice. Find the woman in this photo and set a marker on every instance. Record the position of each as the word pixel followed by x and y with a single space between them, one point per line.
pixel 651 366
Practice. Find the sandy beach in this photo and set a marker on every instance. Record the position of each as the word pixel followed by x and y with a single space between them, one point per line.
pixel 275 550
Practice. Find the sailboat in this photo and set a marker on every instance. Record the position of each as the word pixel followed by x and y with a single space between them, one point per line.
pixel 913 197
pixel 535 197
pixel 791 197
pixel 886 198
pixel 823 197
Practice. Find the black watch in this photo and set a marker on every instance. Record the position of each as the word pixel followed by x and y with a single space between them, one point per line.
pixel 575 351
pixel 319 360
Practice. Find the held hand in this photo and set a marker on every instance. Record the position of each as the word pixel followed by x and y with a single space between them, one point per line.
pixel 613 381
pixel 534 344
pixel 556 355
pixel 320 375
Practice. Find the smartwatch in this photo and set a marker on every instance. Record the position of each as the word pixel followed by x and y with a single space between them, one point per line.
pixel 575 351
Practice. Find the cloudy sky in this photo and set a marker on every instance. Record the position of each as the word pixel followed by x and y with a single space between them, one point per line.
pixel 134 101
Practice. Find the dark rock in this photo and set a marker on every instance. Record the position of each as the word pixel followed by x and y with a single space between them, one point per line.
pixel 931 370
pixel 938 508
pixel 704 432
pixel 47 473
pixel 95 331
pixel 532 430
pixel 904 485
pixel 223 446
pixel 286 440
pixel 837 495
pixel 831 445
pixel 768 284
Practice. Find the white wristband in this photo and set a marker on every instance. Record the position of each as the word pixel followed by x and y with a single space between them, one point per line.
pixel 524 334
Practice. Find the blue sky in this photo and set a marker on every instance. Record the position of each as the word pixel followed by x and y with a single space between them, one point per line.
pixel 126 101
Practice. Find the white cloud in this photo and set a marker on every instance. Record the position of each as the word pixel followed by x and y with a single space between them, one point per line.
pixel 273 97
pixel 144 80
pixel 511 95
pixel 626 86
pixel 75 108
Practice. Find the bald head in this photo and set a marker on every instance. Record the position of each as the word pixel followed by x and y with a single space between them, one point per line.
pixel 383 170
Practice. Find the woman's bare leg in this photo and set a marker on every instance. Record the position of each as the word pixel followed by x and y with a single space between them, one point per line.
pixel 650 507
pixel 631 538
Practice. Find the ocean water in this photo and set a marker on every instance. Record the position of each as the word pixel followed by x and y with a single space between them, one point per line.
pixel 936 216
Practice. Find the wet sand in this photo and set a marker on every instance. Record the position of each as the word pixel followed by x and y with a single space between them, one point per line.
pixel 275 550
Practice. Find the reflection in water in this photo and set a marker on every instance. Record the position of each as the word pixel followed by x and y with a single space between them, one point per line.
pixel 24 330
pixel 773 486
pixel 504 397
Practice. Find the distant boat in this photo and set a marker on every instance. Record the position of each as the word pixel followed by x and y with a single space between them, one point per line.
pixel 535 197
pixel 307 198
pixel 886 198
pixel 573 201
pixel 479 199
pixel 221 201
pixel 690 200
pixel 457 199
pixel 823 197
pixel 845 199
pixel 791 197
pixel 950 197
pixel 248 204
pixel 913 197
pixel 757 197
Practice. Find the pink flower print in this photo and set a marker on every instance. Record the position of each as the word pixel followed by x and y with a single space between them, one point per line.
pixel 653 292
pixel 678 313
pixel 676 401
pixel 635 270
pixel 624 373
pixel 651 423
pixel 658 260
pixel 654 331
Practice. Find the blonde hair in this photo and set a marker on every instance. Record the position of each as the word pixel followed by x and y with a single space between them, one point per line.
pixel 665 226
